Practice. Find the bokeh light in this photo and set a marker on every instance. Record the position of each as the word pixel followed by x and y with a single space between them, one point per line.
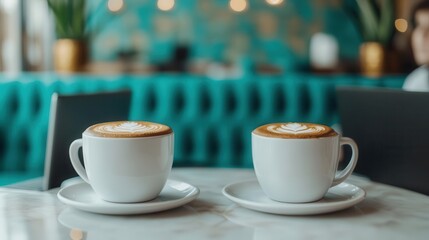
pixel 401 25
pixel 274 2
pixel 76 234
pixel 238 5
pixel 115 5
pixel 165 5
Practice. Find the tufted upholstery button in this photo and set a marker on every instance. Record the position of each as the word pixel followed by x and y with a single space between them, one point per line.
pixel 279 99
pixel 178 100
pixel 2 142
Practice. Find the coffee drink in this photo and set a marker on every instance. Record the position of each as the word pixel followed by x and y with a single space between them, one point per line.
pixel 297 162
pixel 124 162
pixel 294 130
pixel 128 129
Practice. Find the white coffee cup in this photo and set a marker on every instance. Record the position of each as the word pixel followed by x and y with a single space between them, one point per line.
pixel 297 162
pixel 125 161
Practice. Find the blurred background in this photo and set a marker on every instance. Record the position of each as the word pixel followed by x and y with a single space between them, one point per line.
pixel 282 61
pixel 221 39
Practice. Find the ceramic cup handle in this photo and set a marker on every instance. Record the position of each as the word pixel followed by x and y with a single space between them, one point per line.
pixel 342 175
pixel 74 158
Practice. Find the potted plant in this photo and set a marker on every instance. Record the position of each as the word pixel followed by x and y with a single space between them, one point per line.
pixel 375 21
pixel 70 48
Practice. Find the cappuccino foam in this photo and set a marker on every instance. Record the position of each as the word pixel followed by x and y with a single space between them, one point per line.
pixel 128 129
pixel 294 130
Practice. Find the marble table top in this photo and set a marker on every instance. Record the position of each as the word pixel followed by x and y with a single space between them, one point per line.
pixel 386 213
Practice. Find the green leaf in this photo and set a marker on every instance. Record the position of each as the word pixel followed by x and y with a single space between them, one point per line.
pixel 386 21
pixel 69 18
pixel 369 21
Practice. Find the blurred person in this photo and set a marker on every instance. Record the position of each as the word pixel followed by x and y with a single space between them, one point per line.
pixel 418 80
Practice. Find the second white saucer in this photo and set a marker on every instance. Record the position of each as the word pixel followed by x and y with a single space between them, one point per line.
pixel 249 194
pixel 174 194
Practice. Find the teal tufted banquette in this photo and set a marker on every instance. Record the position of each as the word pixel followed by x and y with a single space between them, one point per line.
pixel 212 119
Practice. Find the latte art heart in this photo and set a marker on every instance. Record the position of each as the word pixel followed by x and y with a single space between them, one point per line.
pixel 128 127
pixel 295 128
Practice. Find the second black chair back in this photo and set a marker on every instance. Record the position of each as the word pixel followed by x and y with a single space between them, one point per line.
pixel 391 128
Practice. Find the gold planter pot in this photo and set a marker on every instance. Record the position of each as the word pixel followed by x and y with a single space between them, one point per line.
pixel 69 55
pixel 372 59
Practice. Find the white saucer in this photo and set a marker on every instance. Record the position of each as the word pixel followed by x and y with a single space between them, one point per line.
pixel 249 194
pixel 174 194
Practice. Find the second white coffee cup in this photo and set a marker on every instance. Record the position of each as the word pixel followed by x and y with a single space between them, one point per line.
pixel 125 161
pixel 297 162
